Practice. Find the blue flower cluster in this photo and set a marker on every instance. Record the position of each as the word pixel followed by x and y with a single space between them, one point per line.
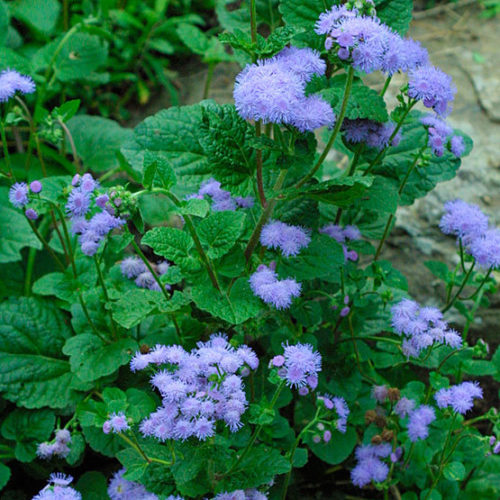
pixel 58 489
pixel 299 365
pixel 221 199
pixel 440 134
pixel 133 267
pixel 471 226
pixel 374 134
pixel 289 239
pixel 116 423
pixel 83 200
pixel 12 81
pixel 198 388
pixel 341 409
pixel 460 397
pixel 59 447
pixel 19 196
pixel 265 284
pixel 422 326
pixel 343 236
pixel 273 90
pixel 120 488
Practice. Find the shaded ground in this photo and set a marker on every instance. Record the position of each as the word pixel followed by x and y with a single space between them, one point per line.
pixel 465 46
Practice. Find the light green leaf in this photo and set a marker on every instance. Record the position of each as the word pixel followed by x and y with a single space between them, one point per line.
pixel 39 14
pixel 158 172
pixel 32 371
pixel 220 231
pixel 337 449
pixel 395 13
pixel 303 13
pixel 4 475
pixel 91 358
pixel 16 234
pixel 173 244
pixel 98 140
pixel 235 308
pixel 4 27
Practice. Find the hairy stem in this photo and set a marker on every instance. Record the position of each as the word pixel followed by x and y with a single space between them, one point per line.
pixel 260 179
pixel 462 286
pixel 106 296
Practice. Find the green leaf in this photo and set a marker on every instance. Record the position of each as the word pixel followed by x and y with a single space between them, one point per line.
pixel 196 207
pixel 79 57
pixel 235 308
pixel 454 471
pixel 321 259
pixel 364 102
pixel 220 231
pixel 173 134
pixel 4 475
pixel 158 172
pixel 141 404
pixel 16 234
pixel 382 196
pixel 93 486
pixel 438 269
pixel 225 138
pixel 12 60
pixel 33 373
pixel 106 444
pixel 210 49
pixel 27 429
pixel 77 447
pixel 395 13
pixel 97 141
pixel 4 27
pixel 91 358
pixel 41 15
pixel 337 449
pixel 173 244
pixel 303 13
pixel 66 110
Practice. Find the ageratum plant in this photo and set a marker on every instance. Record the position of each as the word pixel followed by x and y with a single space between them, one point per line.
pixel 215 319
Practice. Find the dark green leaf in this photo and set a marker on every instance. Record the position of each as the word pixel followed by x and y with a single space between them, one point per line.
pixel 337 449
pixel 395 13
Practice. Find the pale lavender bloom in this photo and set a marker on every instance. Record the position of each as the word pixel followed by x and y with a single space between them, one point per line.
pixel 58 489
pixel 303 62
pixel 246 202
pixel 438 133
pixel 162 267
pixel 87 183
pixel 380 393
pixel 433 87
pixel 460 397
pixel 404 406
pixel 419 421
pixel 265 285
pixel 374 134
pixel 131 267
pixel 457 145
pixel 147 280
pixel 496 449
pixel 465 220
pixel 311 113
pixel 36 187
pixel 301 361
pixel 345 311
pixel 268 91
pixel 11 82
pixel 343 411
pixel 116 423
pixel 120 488
pixel 102 223
pixel 101 200
pixel 369 467
pixel 402 55
pixel 18 194
pixel 290 239
pixel 334 231
pixel 78 203
pixel 486 249
pixel 332 18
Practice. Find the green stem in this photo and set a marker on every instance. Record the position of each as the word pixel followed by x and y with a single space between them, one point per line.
pixel 66 130
pixel 400 192
pixel 396 130
pixel 67 237
pixel 29 271
pixel 253 21
pixel 355 345
pixel 208 80
pixel 294 448
pixel 254 238
pixel 260 179
pixel 6 150
pixel 43 241
pixel 373 337
pixel 256 431
pixel 336 129
pixel 461 247
pixel 462 286
pixel 106 296
pixel 386 86
pixel 488 274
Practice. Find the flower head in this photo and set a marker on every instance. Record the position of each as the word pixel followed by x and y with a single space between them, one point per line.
pixel 419 421
pixel 12 81
pixel 460 397
pixel 290 239
pixel 18 194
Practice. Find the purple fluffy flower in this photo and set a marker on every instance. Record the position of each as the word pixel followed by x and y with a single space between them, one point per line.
pixel 58 489
pixel 198 389
pixel 331 19
pixel 460 397
pixel 380 393
pixel 147 280
pixel 486 249
pixel 11 82
pixel 131 267
pixel 301 362
pixel 304 62
pixel 290 239
pixel 457 145
pixel 57 448
pixel 246 202
pixel 116 423
pixel 18 194
pixel 404 406
pixel 464 220
pixel 78 203
pixel 419 421
pixel 87 183
pixel 120 488
pixel 375 135
pixel 402 55
pixel 311 113
pixel 438 133
pixel 102 223
pixel 265 285
pixel 101 200
pixel 433 87
pixel 370 467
